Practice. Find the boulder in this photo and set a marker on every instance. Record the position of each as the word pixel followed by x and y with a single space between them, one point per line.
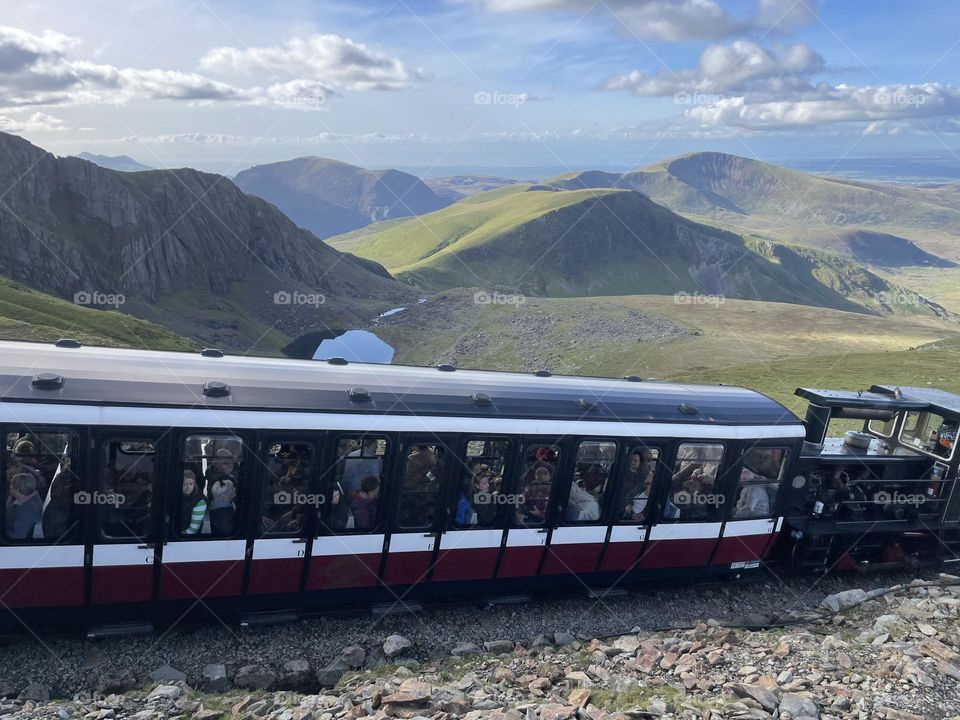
pixel 353 655
pixel 296 675
pixel 214 678
pixel 110 683
pixel 167 674
pixel 166 692
pixel 395 644
pixel 255 677
pixel 37 692
pixel 499 647
pixel 330 675
pixel 799 706
pixel 465 648
pixel 564 638
pixel 838 602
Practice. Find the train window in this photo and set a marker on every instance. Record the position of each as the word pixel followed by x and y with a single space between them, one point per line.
pixel 884 428
pixel 210 486
pixel 929 433
pixel 41 487
pixel 480 495
pixel 694 488
pixel 539 470
pixel 591 478
pixel 423 469
pixel 125 497
pixel 286 492
pixel 638 476
pixel 355 484
pixel 759 481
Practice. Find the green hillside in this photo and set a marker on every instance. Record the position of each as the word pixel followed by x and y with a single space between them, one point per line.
pixel 747 195
pixel 567 243
pixel 27 314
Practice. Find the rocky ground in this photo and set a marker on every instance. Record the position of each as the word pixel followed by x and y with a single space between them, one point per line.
pixel 890 652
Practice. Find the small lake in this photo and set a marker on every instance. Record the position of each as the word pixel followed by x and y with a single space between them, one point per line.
pixel 356 346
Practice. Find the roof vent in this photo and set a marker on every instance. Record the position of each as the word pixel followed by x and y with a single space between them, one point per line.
pixel 359 394
pixel 543 373
pixel 47 381
pixel 585 404
pixel 446 367
pixel 337 361
pixel 481 399
pixel 68 343
pixel 633 378
pixel 211 353
pixel 215 388
pixel 687 409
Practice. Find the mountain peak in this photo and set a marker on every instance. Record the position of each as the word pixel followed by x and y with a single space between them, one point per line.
pixel 122 163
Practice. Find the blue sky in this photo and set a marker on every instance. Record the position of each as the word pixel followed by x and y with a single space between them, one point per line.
pixel 485 84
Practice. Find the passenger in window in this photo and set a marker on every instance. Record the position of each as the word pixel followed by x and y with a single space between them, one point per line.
pixel 536 496
pixel 58 513
pixel 466 514
pixel 193 506
pixel 24 507
pixel 421 466
pixel 359 464
pixel 485 485
pixel 636 507
pixel 582 505
pixel 222 488
pixel 753 500
pixel 364 502
pixel 24 461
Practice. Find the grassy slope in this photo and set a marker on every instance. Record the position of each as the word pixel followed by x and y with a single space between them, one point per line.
pixel 26 314
pixel 568 335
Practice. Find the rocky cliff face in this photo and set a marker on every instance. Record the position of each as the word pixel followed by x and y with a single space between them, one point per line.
pixel 70 226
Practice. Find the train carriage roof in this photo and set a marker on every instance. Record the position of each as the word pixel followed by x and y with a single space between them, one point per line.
pixel 108 376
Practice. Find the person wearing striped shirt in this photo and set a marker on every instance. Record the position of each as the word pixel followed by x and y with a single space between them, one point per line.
pixel 193 506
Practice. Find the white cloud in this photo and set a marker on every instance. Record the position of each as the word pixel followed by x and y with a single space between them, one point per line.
pixel 738 67
pixel 319 138
pixel 679 20
pixel 35 70
pixel 840 104
pixel 328 59
pixel 37 122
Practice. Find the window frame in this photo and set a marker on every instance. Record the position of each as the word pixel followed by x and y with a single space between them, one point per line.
pixel 441 510
pixel 654 506
pixel 774 509
pixel 919 448
pixel 101 443
pixel 265 441
pixel 247 480
pixel 326 477
pixel 76 534
pixel 509 464
pixel 516 486
pixel 721 483
pixel 604 502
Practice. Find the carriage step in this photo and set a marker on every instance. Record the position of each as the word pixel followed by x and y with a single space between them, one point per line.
pixel 395 608
pixel 98 632
pixel 519 599
pixel 275 617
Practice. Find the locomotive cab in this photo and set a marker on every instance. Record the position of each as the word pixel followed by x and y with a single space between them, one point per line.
pixel 874 484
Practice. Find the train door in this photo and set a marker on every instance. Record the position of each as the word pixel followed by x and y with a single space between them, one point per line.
pixel 206 549
pixel 43 554
pixel 470 544
pixel 635 506
pixel 347 547
pixel 691 510
pixel 752 522
pixel 534 498
pixel 420 515
pixel 126 504
pixel 285 516
pixel 577 541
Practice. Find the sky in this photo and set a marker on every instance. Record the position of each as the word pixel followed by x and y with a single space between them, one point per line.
pixel 509 86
